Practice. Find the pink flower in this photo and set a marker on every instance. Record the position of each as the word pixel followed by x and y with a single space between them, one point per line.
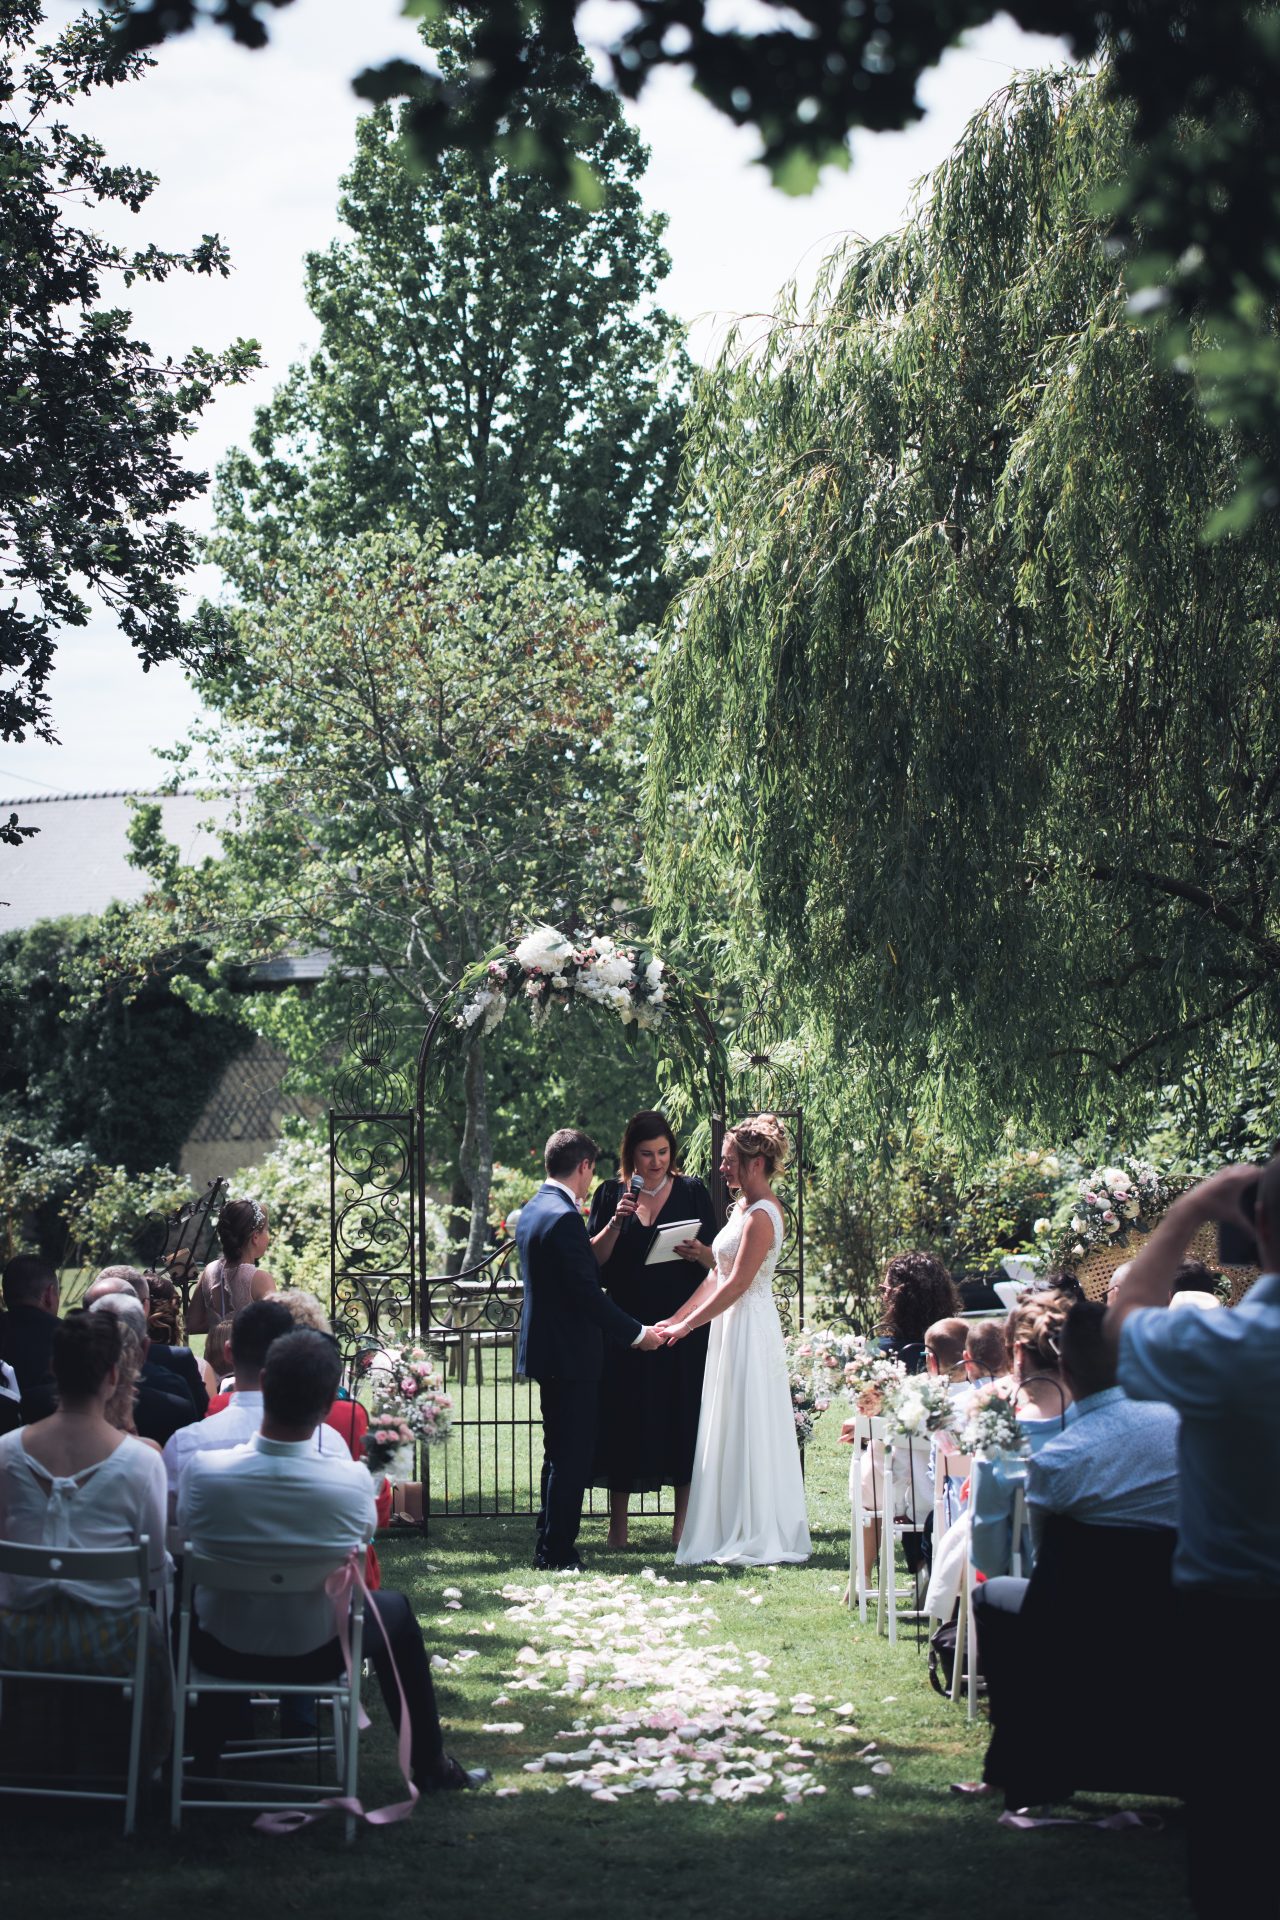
pixel 409 1387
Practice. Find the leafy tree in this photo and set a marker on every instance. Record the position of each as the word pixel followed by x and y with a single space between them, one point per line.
pixel 92 425
pixel 987 735
pixel 491 360
pixel 1199 192
pixel 123 1074
pixel 450 748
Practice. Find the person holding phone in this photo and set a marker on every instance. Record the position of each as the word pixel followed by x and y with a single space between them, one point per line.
pixel 1221 1371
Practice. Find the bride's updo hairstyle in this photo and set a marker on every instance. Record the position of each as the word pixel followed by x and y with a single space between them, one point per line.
pixel 1035 1326
pixel 764 1137
pixel 237 1224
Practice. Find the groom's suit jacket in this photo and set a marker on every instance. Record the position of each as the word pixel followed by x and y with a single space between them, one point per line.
pixel 567 1315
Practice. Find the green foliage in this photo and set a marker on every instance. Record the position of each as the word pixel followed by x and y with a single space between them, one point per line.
pixel 1197 204
pixel 983 734
pixel 82 1062
pixel 57 1200
pixel 450 751
pixel 92 423
pixel 492 362
pixel 920 1193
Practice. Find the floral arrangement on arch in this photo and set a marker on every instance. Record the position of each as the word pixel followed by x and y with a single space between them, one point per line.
pixel 919 1404
pixel 991 1426
pixel 548 969
pixel 1112 1201
pixel 410 1407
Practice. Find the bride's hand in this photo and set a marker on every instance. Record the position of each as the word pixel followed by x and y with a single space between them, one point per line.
pixel 695 1250
pixel 673 1330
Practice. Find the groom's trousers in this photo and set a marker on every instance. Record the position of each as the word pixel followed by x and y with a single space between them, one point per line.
pixel 569 1418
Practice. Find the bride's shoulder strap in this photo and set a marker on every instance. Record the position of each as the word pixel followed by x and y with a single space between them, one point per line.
pixel 775 1213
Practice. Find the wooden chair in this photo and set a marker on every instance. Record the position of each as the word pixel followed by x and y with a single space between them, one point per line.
pixel 90 1564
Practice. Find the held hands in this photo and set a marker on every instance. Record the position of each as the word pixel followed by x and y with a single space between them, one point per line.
pixel 669 1331
pixel 650 1340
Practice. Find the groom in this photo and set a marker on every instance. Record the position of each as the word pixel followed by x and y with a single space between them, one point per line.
pixel 566 1318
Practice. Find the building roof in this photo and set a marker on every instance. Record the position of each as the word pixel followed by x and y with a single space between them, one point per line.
pixel 78 860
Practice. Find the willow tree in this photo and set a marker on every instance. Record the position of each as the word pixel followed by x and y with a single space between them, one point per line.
pixel 985 729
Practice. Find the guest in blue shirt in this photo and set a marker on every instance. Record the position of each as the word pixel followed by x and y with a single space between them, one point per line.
pixel 1221 1372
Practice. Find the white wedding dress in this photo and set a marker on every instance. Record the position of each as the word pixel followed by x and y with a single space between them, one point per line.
pixel 746 1503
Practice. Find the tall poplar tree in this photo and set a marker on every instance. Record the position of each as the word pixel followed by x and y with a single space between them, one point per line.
pixel 493 361
pixel 987 732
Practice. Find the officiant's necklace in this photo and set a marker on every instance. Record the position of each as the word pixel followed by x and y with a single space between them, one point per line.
pixel 653 1192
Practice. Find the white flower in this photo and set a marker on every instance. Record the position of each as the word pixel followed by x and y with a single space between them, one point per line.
pixel 1041 1226
pixel 546 948
pixel 653 975
pixel 1077 1224
pixel 1113 1177
pixel 1132 1210
pixel 1051 1165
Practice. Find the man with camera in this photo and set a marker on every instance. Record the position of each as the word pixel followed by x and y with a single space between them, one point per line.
pixel 1221 1371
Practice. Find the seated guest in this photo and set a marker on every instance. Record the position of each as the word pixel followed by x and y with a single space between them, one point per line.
pixel 1219 1370
pixel 1033 1337
pixel 277 1498
pixel 1192 1297
pixel 162 1357
pixel 1193 1276
pixel 944 1344
pixel 239 1416
pixel 30 1288
pixel 10 1399
pixel 121 1407
pixel 162 1403
pixel 916 1291
pixel 232 1282
pixel 215 1368
pixel 73 1480
pixel 986 1358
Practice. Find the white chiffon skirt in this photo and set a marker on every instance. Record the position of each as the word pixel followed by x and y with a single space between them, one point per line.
pixel 746 1502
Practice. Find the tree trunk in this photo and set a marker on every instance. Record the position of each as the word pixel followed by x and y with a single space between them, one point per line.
pixel 475 1158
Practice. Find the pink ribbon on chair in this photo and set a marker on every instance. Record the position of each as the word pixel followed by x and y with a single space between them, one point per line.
pixel 290 1819
pixel 1025 1822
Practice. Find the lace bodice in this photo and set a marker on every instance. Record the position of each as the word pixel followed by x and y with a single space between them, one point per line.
pixel 727 1241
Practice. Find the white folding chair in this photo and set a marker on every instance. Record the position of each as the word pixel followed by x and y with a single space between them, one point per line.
pixel 82 1564
pixel 905 1464
pixel 966 1620
pixel 868 1440
pixel 949 1470
pixel 265 1580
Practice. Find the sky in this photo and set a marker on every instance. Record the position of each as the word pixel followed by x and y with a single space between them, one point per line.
pixel 251 145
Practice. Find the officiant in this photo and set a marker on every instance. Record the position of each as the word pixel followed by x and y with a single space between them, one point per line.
pixel 649 1402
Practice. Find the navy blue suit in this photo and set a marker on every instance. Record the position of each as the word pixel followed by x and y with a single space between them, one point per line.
pixel 565 1319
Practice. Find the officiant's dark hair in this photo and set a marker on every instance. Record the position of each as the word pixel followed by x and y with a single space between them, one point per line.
pixel 566 1149
pixel 641 1128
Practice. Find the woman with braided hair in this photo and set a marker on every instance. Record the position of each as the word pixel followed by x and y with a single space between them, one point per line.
pixel 232 1282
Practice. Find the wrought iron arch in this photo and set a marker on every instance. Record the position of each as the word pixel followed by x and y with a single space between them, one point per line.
pixel 383 1286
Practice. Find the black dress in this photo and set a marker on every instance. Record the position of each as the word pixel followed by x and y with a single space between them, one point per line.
pixel 650 1402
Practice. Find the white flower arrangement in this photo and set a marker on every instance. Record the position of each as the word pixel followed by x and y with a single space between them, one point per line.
pixel 991 1426
pixel 869 1374
pixel 547 968
pixel 1114 1199
pixel 813 1365
pixel 917 1405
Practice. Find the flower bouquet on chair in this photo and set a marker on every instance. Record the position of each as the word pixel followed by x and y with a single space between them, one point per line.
pixel 869 1374
pixel 410 1409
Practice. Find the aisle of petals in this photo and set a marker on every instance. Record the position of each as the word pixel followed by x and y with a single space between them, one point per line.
pixel 702 1727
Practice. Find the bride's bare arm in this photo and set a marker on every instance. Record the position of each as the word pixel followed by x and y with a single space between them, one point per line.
pixel 757 1238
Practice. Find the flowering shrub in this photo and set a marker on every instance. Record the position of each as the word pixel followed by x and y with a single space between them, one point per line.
pixel 991 1426
pixel 409 1405
pixel 1114 1199
pixel 815 1359
pixel 547 968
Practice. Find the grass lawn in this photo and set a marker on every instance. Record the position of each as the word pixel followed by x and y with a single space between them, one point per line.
pixel 912 1849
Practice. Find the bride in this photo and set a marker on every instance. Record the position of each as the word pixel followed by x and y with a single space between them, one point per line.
pixel 746 1505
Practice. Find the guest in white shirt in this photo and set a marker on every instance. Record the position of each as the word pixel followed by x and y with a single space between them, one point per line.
pixel 73 1480
pixel 275 1499
pixel 253 1330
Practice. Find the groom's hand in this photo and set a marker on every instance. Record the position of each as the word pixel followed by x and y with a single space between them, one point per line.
pixel 649 1341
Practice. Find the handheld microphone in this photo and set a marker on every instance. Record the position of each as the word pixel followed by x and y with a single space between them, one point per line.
pixel 635 1188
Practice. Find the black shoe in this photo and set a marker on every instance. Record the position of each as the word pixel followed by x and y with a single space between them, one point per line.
pixel 574 1564
pixel 455 1778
